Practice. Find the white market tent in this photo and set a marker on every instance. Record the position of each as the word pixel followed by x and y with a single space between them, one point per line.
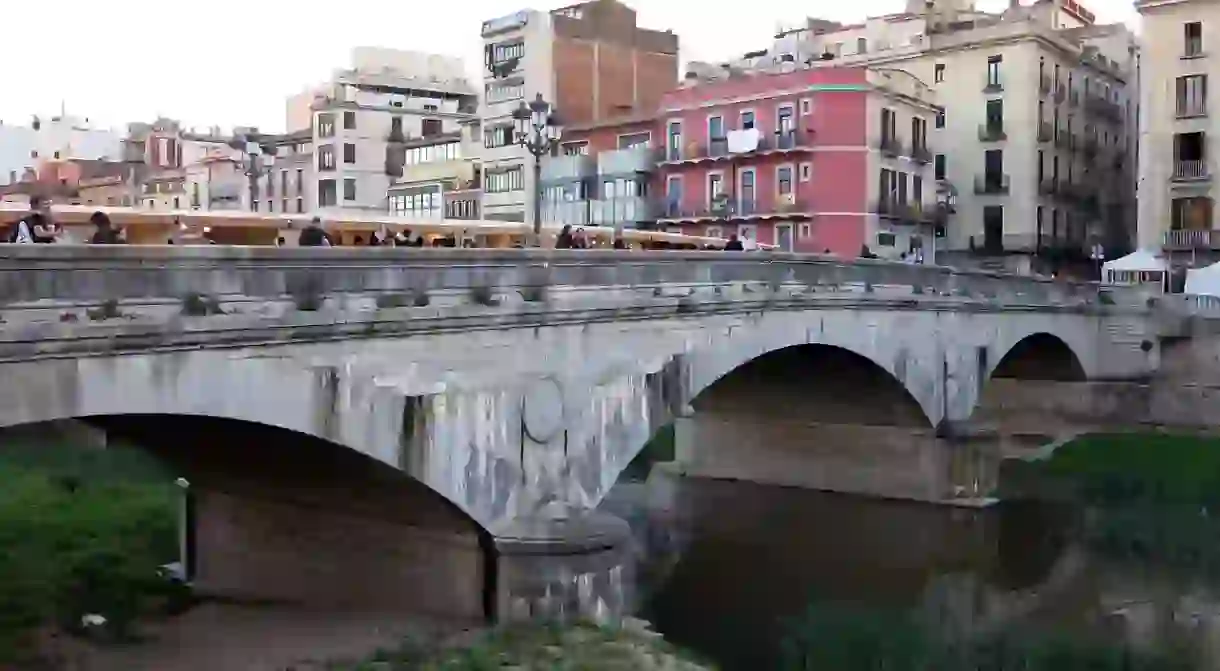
pixel 1204 281
pixel 1140 267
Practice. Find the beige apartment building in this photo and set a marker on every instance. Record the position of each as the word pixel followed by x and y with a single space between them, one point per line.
pixel 1032 149
pixel 1177 156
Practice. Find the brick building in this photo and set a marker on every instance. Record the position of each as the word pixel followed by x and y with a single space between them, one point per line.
pixel 591 60
pixel 816 159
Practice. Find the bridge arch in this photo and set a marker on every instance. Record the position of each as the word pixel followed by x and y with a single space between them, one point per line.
pixel 1040 356
pixel 278 515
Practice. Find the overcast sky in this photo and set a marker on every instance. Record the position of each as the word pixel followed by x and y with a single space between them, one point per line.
pixel 232 62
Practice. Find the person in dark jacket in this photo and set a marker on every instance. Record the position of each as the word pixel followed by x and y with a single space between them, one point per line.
pixel 35 227
pixel 734 244
pixel 314 236
pixel 104 232
pixel 564 240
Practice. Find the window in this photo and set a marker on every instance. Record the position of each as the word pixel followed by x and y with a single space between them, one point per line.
pixel 993 228
pixel 784 124
pixel 1194 213
pixel 1192 95
pixel 498 92
pixel 327 196
pixel 939 162
pixel 1041 165
pixel 576 148
pixel 919 133
pixel 349 153
pixel 253 205
pixel 804 231
pixel 284 205
pixel 349 120
pixel 1190 155
pixel 430 127
pixel 1193 40
pixel 993 71
pixel 938 73
pixel 284 185
pixel 349 189
pixel 326 125
pixel 420 201
pixel 783 180
pixel 916 189
pixel 715 128
pixel 747 119
pixel 633 140
pixel 806 106
pixel 57 155
pixel 995 113
pixel 993 164
pixel 806 172
pixel 940 117
pixel 431 108
pixel 300 205
pixel 503 181
pixel 673 146
pixel 498 136
pixel 861 45
pixel 507 51
pixel 433 153
pixel 715 186
pixel 300 180
pixel 326 157
pixel 889 125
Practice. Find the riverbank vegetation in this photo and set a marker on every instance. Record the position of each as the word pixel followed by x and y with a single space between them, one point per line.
pixel 538 647
pixel 83 532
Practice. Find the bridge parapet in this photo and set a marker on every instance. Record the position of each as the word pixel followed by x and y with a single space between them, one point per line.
pixel 31 276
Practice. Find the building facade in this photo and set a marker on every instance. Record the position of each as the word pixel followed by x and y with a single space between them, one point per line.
pixel 365 117
pixel 1177 156
pixel 591 61
pixel 1037 126
pixel 441 177
pixel 56 138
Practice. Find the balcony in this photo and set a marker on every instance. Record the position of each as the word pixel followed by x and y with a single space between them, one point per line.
pixel 906 213
pixel 921 154
pixel 1101 107
pixel 718 148
pixel 574 213
pixel 1190 171
pixel 991 184
pixel 568 168
pixel 621 211
pixel 635 160
pixel 742 208
pixel 221 191
pixel 890 146
pixel 1190 238
pixel 1044 84
pixel 1045 132
pixel 993 86
pixel 992 131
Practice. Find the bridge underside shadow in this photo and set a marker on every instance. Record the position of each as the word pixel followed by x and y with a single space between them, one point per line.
pixel 278 516
pixel 819 417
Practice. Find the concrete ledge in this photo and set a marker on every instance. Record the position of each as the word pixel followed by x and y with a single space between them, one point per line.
pixel 576 533
pixel 135 334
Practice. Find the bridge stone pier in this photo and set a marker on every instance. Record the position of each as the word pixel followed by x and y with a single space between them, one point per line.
pixel 510 388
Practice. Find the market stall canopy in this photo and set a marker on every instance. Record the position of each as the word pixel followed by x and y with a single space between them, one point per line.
pixel 1204 281
pixel 1138 267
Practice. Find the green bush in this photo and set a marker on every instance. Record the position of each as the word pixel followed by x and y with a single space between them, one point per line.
pixel 77 543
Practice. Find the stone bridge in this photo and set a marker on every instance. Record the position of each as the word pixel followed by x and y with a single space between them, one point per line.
pixel 307 389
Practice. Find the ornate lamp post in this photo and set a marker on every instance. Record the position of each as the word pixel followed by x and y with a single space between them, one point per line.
pixel 256 160
pixel 537 129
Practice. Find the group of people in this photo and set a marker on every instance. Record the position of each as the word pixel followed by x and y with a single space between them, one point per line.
pixel 39 227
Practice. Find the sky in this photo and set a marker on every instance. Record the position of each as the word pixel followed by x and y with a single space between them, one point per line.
pixel 233 62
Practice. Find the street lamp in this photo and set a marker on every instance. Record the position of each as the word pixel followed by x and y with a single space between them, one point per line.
pixel 256 160
pixel 537 128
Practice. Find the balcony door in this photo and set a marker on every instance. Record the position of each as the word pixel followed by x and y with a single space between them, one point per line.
pixel 673 146
pixel 1190 155
pixel 745 191
pixel 783 237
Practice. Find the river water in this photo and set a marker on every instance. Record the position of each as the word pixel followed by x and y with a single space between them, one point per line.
pixel 733 571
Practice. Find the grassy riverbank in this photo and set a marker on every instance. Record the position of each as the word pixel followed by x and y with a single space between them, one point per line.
pixel 537 648
pixel 82 532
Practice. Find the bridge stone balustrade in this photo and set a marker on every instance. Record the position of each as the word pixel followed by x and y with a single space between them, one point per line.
pixel 518 384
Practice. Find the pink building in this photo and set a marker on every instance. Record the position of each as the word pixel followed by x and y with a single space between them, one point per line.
pixel 824 158
pixel 814 160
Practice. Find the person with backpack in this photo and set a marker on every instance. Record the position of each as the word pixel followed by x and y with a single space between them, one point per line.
pixel 36 227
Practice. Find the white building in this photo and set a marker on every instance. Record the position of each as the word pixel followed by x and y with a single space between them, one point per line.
pixel 364 117
pixel 1177 149
pixel 1038 126
pixel 53 138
